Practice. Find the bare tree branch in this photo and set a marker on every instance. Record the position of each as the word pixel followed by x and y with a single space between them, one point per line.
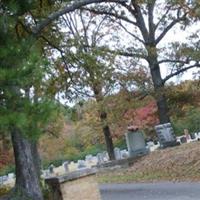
pixel 67 9
pixel 180 71
pixel 170 26
pixel 112 14
pixel 133 35
pixel 163 17
pixel 140 21
pixel 174 61
pixel 121 53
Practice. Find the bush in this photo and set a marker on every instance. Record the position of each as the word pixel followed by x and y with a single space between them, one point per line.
pixel 7 169
pixel 4 190
pixel 93 150
pixel 191 121
pixel 121 143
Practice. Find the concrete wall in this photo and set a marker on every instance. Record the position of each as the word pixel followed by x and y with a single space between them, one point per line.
pixel 85 188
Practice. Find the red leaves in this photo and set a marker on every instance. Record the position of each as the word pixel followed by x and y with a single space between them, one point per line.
pixel 143 117
pixel 5 159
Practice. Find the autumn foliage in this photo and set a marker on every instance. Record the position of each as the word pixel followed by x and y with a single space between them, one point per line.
pixel 144 117
pixel 6 159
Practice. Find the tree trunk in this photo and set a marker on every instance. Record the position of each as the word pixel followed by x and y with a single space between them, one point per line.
pixel 27 185
pixel 107 135
pixel 97 89
pixel 159 92
pixel 36 157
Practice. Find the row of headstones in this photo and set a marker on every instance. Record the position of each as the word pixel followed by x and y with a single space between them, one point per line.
pixel 188 138
pixel 136 146
pixel 90 160
pixel 167 136
pixel 7 178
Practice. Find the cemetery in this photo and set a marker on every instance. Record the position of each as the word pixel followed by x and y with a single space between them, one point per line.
pixel 98 167
pixel 96 92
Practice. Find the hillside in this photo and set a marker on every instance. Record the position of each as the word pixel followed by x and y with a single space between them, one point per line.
pixel 181 163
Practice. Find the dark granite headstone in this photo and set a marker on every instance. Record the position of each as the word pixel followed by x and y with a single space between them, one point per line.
pixel 183 139
pixel 166 135
pixel 193 136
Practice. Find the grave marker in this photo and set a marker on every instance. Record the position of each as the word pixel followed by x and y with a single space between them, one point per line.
pixel 166 135
pixel 135 142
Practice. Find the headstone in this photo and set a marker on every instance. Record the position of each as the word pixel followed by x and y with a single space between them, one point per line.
pixel 124 154
pixel 105 156
pixel 193 136
pixel 3 179
pixel 117 153
pixel 81 164
pixel 45 173
pixel 183 139
pixel 155 142
pixel 166 135
pixel 51 169
pixel 187 134
pixel 66 166
pixel 88 158
pixel 100 158
pixel 150 144
pixel 95 159
pixel 136 143
pixel 11 175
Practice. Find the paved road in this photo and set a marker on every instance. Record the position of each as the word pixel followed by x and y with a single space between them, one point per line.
pixel 151 191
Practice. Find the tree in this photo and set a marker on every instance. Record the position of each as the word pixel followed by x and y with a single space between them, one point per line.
pixel 147 24
pixel 22 97
pixel 90 71
pixel 25 108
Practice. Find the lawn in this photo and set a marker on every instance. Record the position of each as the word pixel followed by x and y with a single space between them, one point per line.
pixel 181 163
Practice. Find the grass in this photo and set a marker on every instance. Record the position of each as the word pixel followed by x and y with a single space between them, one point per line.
pixel 180 163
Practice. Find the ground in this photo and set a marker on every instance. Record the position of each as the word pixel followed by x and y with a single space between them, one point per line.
pixel 181 163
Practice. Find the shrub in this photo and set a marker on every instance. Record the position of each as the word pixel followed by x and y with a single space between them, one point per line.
pixel 191 121
pixel 4 190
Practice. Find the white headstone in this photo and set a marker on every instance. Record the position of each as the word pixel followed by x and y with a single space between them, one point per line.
pixel 66 166
pixel 81 164
pixel 124 154
pixel 117 153
pixel 100 158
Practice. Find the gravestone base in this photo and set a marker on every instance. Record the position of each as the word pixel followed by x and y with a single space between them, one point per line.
pixel 138 152
pixel 169 144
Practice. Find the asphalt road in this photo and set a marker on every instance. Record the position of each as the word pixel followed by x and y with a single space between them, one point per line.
pixel 151 191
